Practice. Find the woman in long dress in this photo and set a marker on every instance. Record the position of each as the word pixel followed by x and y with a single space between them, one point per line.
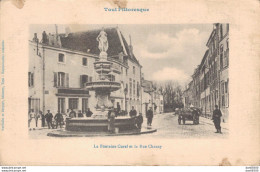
pixel 32 120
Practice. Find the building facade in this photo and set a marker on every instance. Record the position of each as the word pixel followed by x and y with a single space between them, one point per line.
pixel 151 97
pixel 61 65
pixel 210 80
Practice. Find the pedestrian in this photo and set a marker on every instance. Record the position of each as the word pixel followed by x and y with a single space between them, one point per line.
pixel 195 115
pixel 32 120
pixel 149 116
pixel 118 109
pixel 111 120
pixel 89 113
pixel 48 118
pixel 37 117
pixel 58 118
pixel 80 115
pixel 216 117
pixel 139 121
pixel 72 114
pixel 67 113
pixel 133 112
pixel 42 118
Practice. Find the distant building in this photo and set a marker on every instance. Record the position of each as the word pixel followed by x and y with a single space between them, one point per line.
pixel 147 95
pixel 158 102
pixel 151 98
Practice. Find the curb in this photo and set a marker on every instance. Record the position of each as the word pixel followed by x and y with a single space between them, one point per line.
pixel 213 125
pixel 95 135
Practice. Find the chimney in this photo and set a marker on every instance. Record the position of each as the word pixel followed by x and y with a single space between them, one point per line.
pixel 57 42
pixel 130 46
pixel 44 38
pixel 35 39
pixel 67 31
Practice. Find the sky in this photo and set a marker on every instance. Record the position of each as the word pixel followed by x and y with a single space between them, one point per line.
pixel 166 51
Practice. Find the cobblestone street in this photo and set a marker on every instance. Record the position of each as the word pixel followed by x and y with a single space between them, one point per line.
pixel 167 127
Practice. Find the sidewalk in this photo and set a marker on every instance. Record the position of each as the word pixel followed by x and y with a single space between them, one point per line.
pixel 46 127
pixel 210 122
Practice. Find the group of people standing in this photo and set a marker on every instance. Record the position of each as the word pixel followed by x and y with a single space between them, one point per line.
pixel 139 119
pixel 112 114
pixel 35 119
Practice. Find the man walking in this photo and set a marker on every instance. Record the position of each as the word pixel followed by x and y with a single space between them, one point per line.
pixel 216 119
pixel 133 112
pixel 48 118
pixel 149 116
pixel 58 118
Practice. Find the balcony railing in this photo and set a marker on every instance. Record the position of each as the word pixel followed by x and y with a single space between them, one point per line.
pixel 72 91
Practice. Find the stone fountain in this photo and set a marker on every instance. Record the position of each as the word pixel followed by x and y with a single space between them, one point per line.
pixel 102 86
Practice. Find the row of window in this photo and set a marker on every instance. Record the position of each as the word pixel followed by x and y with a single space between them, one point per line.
pixel 61 79
pixel 212 100
pixel 134 87
pixel 224 55
pixel 62 59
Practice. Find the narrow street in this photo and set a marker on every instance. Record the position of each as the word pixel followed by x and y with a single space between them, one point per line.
pixel 167 127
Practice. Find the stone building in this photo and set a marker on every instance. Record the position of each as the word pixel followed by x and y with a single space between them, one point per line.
pixel 223 69
pixel 61 65
pixel 210 80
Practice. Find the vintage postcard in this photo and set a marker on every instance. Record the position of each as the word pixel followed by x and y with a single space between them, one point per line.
pixel 130 82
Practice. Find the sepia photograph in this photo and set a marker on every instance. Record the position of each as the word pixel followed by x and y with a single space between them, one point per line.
pixel 147 80
pixel 129 83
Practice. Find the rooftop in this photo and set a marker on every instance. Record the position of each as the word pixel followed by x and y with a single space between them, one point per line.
pixel 86 42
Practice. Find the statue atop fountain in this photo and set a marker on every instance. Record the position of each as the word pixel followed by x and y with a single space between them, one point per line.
pixel 103 44
pixel 103 85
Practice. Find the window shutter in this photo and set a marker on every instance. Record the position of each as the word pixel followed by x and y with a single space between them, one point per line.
pixel 29 78
pixel 32 78
pixel 90 79
pixel 55 79
pixel 86 79
pixel 67 80
pixel 80 81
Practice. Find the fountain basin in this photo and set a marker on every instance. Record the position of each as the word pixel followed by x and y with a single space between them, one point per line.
pixel 99 124
pixel 103 85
